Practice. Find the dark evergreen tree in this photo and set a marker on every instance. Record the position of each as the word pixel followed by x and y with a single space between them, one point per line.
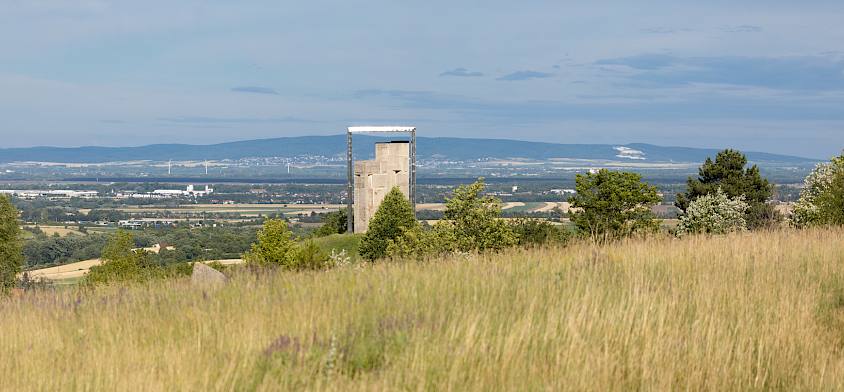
pixel 728 173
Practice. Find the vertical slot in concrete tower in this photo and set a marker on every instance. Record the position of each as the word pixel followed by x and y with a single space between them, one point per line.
pixel 369 181
pixel 375 178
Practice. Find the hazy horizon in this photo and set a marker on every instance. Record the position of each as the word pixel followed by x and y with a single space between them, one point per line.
pixel 762 76
pixel 418 136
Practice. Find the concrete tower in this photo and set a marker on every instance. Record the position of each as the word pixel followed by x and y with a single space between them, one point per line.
pixel 375 178
pixel 370 181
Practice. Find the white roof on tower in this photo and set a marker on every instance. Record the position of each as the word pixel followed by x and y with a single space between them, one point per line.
pixel 392 128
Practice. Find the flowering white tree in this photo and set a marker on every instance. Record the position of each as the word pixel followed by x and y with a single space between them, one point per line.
pixel 822 198
pixel 715 213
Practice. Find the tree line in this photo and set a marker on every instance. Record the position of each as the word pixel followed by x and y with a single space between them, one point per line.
pixel 189 244
pixel 726 196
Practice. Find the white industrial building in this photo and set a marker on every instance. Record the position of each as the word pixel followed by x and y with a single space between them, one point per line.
pixel 189 191
pixel 52 194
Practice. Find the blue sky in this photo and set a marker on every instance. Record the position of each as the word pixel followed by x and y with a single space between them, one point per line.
pixel 760 75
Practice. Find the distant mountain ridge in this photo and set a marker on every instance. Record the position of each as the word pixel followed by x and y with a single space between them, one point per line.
pixel 335 145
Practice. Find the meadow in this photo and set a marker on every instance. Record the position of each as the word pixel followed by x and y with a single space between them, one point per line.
pixel 750 311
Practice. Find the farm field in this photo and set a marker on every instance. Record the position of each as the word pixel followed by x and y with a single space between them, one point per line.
pixel 747 311
pixel 62 231
pixel 66 271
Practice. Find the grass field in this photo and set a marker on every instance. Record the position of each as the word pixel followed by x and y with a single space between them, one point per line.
pixel 743 312
pixel 340 242
pixel 72 272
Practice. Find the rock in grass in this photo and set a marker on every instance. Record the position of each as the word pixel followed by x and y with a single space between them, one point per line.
pixel 205 275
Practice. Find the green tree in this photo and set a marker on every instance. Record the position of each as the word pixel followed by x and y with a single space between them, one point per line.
pixel 122 263
pixel 275 245
pixel 476 220
pixel 11 254
pixel 714 214
pixel 728 173
pixel 471 223
pixel 394 216
pixel 822 197
pixel 610 205
pixel 333 223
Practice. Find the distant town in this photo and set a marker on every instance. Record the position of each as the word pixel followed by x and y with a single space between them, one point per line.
pixel 56 194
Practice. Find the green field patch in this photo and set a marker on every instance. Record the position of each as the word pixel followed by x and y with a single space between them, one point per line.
pixel 339 242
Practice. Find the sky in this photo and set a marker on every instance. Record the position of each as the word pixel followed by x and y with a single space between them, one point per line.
pixel 754 75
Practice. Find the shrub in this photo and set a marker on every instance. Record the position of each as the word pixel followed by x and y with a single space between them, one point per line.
pixel 123 264
pixel 394 216
pixel 186 268
pixel 310 257
pixel 275 246
pixel 611 205
pixel 714 214
pixel 420 243
pixel 532 232
pixel 822 198
pixel 339 258
pixel 11 256
pixel 333 223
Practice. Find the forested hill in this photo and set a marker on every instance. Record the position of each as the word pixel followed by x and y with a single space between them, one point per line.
pixel 439 147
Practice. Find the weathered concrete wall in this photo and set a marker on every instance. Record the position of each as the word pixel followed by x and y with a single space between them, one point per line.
pixel 375 178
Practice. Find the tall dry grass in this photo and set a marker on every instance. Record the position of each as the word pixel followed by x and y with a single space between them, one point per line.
pixel 741 312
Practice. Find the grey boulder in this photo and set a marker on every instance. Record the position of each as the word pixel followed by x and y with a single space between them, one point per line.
pixel 205 275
